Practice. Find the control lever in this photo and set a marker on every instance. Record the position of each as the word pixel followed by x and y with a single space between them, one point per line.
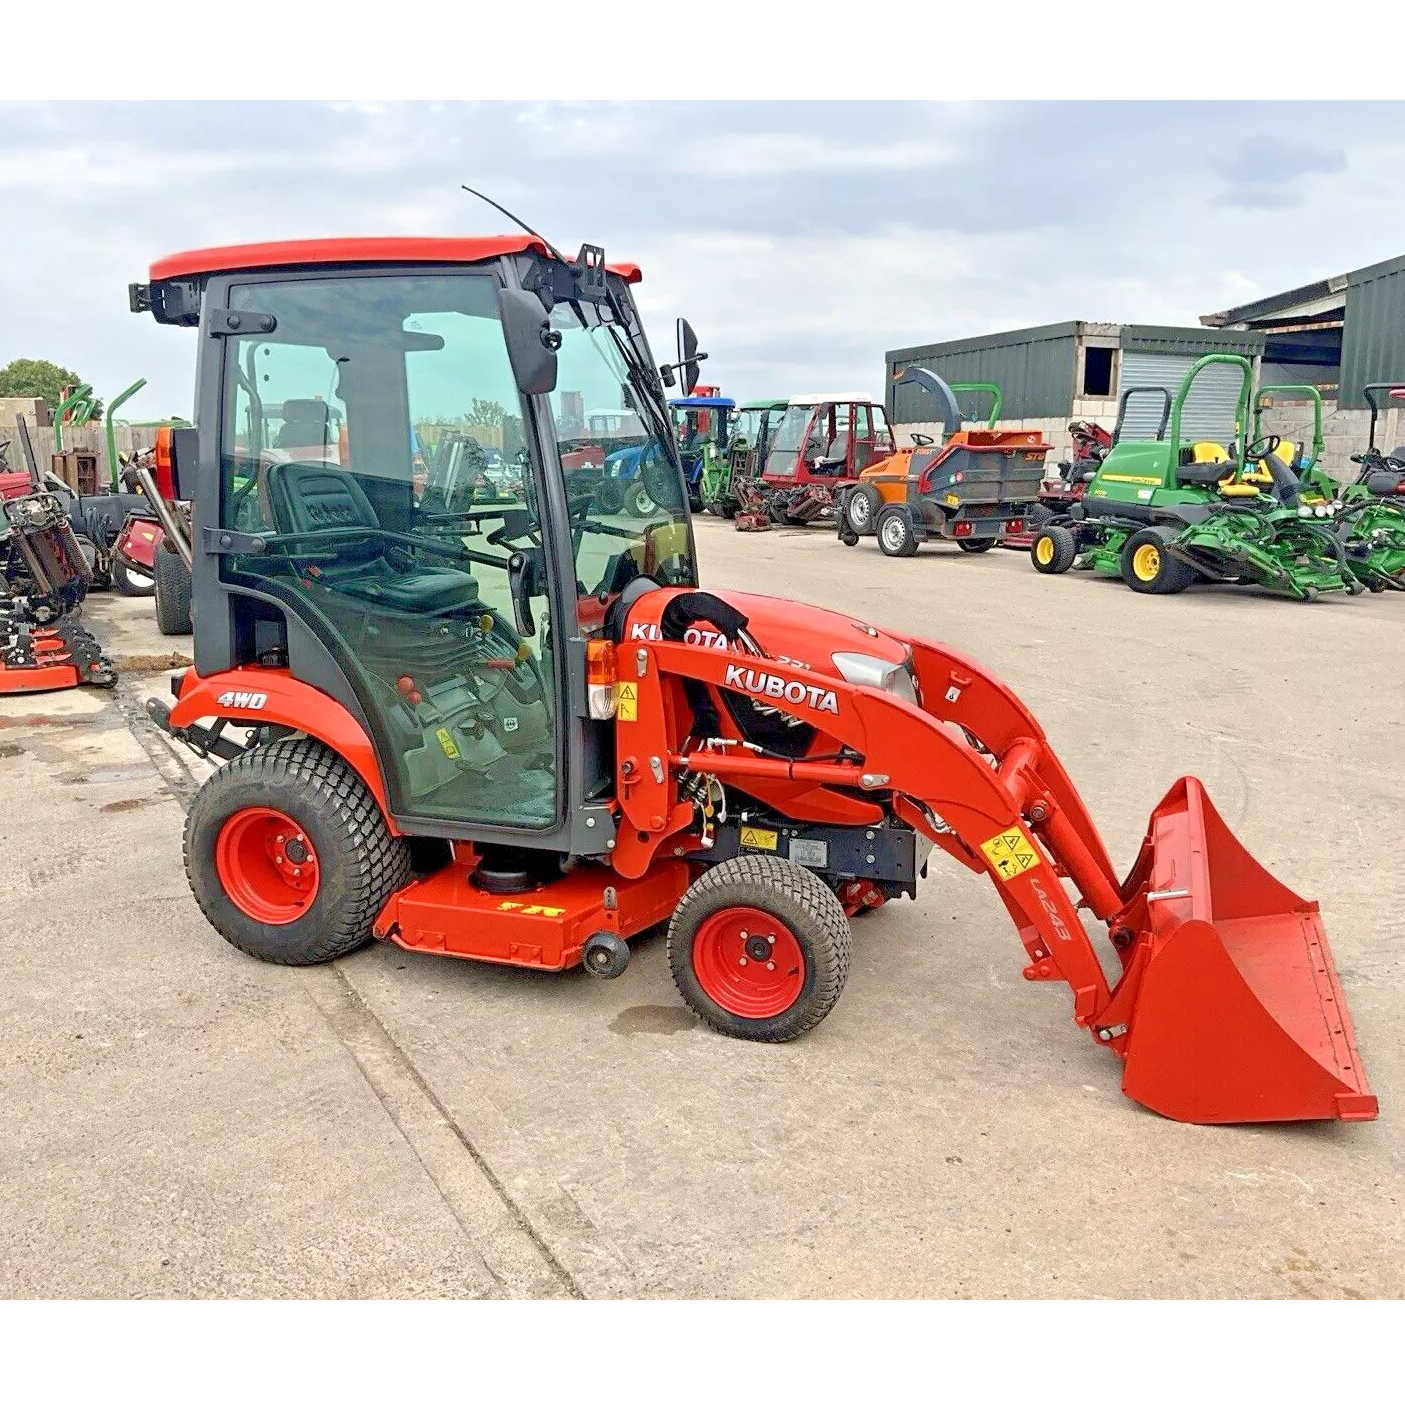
pixel 520 579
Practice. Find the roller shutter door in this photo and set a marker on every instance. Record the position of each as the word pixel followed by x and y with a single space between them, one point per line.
pixel 1209 410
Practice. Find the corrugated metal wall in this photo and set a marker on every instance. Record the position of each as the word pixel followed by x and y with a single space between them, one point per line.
pixel 1373 337
pixel 1033 368
pixel 1209 408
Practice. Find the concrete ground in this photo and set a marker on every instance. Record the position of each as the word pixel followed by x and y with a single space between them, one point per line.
pixel 183 1121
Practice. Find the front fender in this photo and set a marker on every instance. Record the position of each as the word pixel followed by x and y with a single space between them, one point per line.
pixel 255 696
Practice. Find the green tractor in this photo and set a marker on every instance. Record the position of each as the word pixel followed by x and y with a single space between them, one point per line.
pixel 751 430
pixel 1165 513
pixel 700 422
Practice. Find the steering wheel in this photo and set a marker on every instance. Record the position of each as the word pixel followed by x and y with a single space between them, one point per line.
pixel 1262 448
pixel 920 441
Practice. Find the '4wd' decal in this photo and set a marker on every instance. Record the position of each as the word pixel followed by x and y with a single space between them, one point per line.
pixel 245 702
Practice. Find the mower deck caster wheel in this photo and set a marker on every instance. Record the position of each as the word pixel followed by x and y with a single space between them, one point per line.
pixel 605 955
pixel 1310 594
pixel 759 948
pixel 974 548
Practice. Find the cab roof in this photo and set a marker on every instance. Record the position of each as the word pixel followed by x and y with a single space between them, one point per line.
pixel 852 398
pixel 702 402
pixel 287 253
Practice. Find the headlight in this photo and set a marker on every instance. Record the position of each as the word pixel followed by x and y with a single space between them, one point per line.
pixel 869 672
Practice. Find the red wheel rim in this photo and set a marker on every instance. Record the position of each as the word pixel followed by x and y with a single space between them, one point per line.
pixel 266 865
pixel 729 968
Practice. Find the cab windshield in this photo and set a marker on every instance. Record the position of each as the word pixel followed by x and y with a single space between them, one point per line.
pixel 628 513
pixel 788 436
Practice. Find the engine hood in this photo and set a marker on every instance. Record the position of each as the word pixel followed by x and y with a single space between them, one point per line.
pixel 804 635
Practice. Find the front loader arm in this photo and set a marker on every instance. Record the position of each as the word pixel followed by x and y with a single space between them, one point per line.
pixel 964 799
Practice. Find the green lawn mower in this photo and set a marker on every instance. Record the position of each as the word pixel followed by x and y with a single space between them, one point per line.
pixel 1368 513
pixel 1165 513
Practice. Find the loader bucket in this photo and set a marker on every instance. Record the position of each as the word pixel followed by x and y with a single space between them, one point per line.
pixel 1238 1016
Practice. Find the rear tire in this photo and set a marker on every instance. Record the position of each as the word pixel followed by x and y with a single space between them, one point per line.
pixel 129 580
pixel 861 508
pixel 1149 568
pixel 975 548
pixel 895 531
pixel 171 587
pixel 1053 550
pixel 233 873
pixel 776 903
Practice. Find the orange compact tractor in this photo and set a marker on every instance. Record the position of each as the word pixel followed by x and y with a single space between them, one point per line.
pixel 521 732
pixel 971 488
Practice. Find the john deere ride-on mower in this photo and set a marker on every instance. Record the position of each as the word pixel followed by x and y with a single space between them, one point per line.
pixel 523 733
pixel 1369 512
pixel 974 486
pixel 1167 512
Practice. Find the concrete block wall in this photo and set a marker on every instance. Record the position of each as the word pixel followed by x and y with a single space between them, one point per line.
pixel 1343 432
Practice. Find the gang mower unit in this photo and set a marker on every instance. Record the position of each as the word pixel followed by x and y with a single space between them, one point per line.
pixel 971 488
pixel 528 735
pixel 43 579
pixel 743 499
pixel 1162 514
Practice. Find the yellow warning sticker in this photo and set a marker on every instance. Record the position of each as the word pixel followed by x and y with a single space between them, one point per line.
pixel 627 702
pixel 1011 853
pixel 446 743
pixel 759 838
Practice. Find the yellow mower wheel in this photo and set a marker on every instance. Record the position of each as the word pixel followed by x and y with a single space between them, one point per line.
pixel 1044 551
pixel 1146 562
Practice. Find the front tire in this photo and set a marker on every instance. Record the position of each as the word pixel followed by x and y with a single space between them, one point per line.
pixel 759 948
pixel 289 856
pixel 1053 550
pixel 637 501
pixel 896 534
pixel 861 508
pixel 609 496
pixel 130 580
pixel 1149 568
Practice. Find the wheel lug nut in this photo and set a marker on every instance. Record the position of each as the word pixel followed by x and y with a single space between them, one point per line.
pixel 741 961
pixel 770 965
pixel 279 859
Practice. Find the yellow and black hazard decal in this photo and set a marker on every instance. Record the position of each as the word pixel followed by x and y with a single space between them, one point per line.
pixel 446 743
pixel 1011 853
pixel 753 838
pixel 627 702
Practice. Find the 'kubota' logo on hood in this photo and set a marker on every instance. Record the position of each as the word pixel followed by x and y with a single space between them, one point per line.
pixel 768 685
pixel 705 638
pixel 248 702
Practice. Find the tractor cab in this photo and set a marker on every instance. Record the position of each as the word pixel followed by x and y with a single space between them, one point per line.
pixel 332 565
pixel 701 423
pixel 826 439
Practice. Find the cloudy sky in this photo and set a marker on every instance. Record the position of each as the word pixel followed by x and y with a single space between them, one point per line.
pixel 802 240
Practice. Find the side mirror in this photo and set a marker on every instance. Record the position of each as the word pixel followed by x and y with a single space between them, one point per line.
pixel 688 357
pixel 531 342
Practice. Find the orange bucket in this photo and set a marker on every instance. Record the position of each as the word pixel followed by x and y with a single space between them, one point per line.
pixel 1238 1016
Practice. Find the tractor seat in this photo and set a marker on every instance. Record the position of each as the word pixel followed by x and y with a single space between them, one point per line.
pixel 305 425
pixel 310 497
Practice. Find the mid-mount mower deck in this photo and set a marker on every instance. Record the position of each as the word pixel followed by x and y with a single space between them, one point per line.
pixel 522 733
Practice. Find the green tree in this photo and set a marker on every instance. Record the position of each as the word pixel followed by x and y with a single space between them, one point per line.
pixel 487 412
pixel 26 378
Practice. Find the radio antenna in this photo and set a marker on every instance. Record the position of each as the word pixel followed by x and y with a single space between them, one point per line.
pixel 521 224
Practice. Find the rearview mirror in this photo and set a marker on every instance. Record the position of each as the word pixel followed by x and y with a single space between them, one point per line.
pixel 531 342
pixel 688 355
